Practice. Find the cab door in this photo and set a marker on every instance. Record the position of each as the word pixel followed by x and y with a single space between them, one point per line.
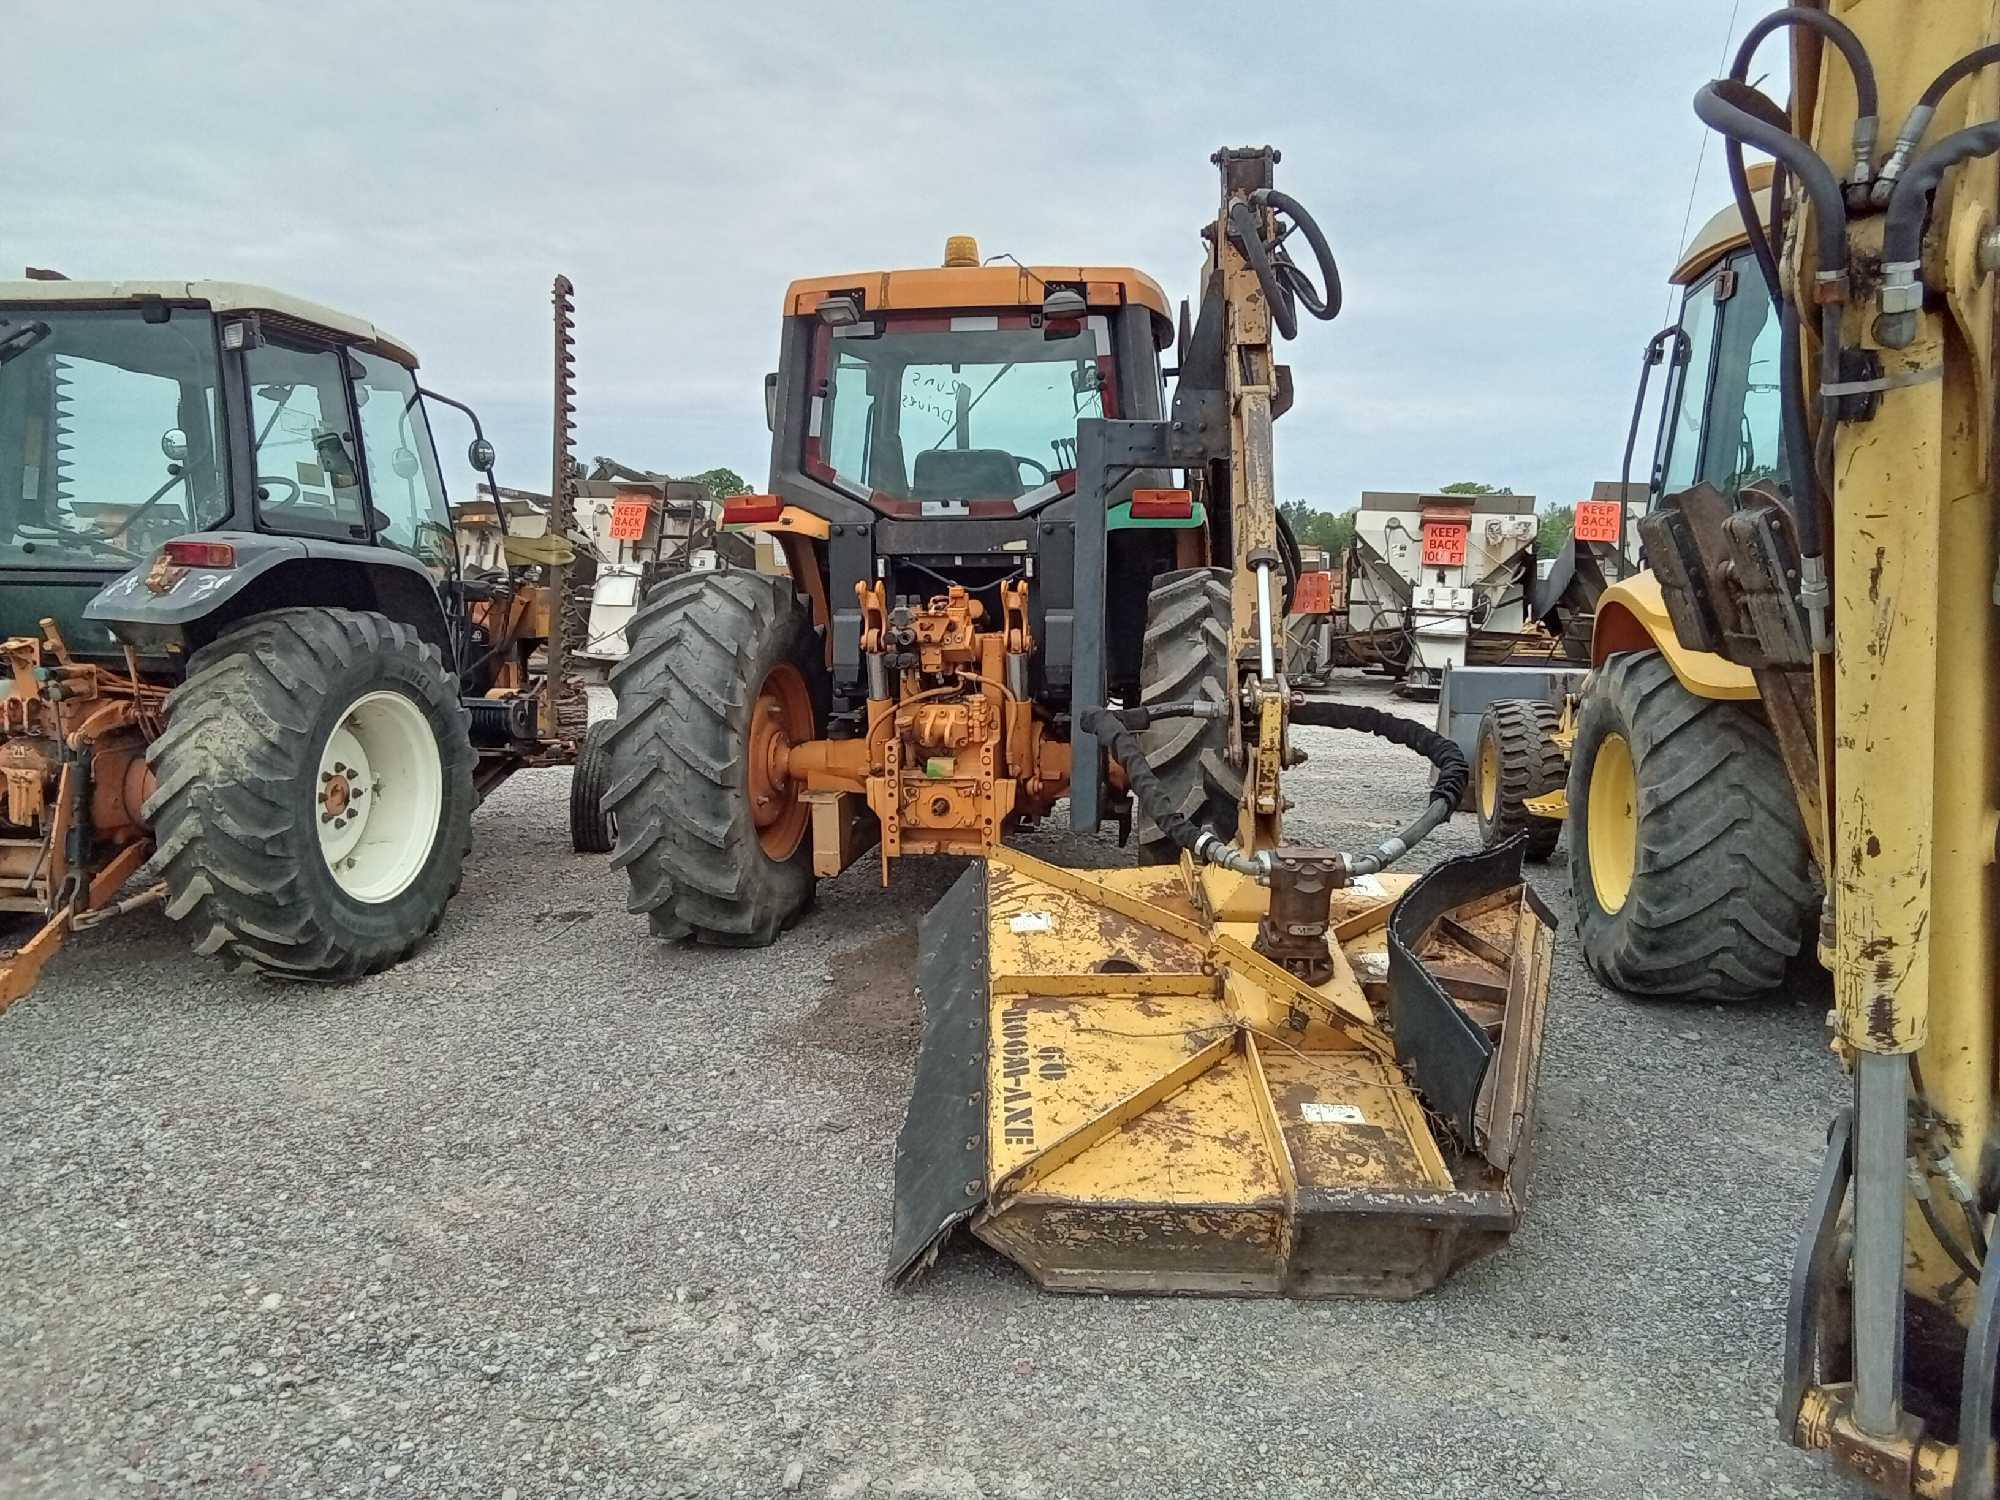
pixel 306 465
pixel 405 487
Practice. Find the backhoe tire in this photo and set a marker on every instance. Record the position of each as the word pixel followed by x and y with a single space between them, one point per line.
pixel 1515 758
pixel 716 662
pixel 315 795
pixel 1688 861
pixel 1186 657
pixel 589 824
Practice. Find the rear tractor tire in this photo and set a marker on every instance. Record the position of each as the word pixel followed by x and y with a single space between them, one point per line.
pixel 590 829
pixel 1688 860
pixel 315 795
pixel 1516 758
pixel 723 673
pixel 1187 657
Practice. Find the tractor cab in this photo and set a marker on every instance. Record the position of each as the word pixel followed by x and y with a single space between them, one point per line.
pixel 924 437
pixel 134 415
pixel 956 391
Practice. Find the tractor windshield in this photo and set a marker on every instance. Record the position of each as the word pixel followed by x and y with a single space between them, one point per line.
pixel 1723 419
pixel 960 409
pixel 110 433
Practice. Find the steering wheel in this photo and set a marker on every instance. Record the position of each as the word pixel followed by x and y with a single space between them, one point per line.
pixel 1041 469
pixel 173 478
pixel 290 484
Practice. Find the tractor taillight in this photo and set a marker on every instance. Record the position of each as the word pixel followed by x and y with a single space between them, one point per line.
pixel 1162 505
pixel 740 510
pixel 200 554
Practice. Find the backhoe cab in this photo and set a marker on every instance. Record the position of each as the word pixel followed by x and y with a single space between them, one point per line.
pixel 239 639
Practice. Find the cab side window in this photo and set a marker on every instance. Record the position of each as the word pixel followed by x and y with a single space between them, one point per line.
pixel 403 480
pixel 307 477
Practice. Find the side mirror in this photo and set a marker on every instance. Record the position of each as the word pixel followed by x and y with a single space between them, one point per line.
pixel 404 462
pixel 174 443
pixel 771 402
pixel 479 453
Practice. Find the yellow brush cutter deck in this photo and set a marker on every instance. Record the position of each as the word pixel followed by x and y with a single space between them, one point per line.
pixel 1122 1095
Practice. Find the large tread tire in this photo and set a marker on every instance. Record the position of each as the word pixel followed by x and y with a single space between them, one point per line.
pixel 235 811
pixel 1521 735
pixel 678 796
pixel 1723 894
pixel 589 824
pixel 1186 657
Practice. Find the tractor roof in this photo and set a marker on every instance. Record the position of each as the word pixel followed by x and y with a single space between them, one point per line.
pixel 975 287
pixel 1724 230
pixel 220 296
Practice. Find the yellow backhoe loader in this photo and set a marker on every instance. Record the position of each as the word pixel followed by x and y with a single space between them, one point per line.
pixel 1019 573
pixel 1688 780
pixel 1861 586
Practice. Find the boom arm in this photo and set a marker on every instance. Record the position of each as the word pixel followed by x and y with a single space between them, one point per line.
pixel 1889 429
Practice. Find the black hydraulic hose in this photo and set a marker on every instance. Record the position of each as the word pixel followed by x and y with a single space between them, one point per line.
pixel 1795 430
pixel 1324 306
pixel 1148 790
pixel 1114 728
pixel 1903 231
pixel 1921 113
pixel 1947 1241
pixel 1278 295
pixel 1288 549
pixel 1747 117
pixel 1867 100
pixel 1903 228
pixel 1965 67
pixel 1453 772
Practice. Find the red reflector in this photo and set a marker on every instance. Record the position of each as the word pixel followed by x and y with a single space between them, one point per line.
pixel 1162 505
pixel 738 510
pixel 201 554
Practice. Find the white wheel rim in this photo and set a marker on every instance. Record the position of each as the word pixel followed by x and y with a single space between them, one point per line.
pixel 379 796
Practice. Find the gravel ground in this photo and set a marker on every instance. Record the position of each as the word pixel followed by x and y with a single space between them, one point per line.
pixel 554 1210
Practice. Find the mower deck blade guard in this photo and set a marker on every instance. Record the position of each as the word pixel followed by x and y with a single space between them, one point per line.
pixel 1121 1095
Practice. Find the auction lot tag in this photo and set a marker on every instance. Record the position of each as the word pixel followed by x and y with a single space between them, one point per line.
pixel 1332 1114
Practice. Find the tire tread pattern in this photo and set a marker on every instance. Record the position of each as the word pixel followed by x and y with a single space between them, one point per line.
pixel 1531 765
pixel 227 814
pixel 698 646
pixel 1186 656
pixel 1724 894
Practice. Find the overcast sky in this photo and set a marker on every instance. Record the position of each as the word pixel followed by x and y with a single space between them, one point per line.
pixel 1505 185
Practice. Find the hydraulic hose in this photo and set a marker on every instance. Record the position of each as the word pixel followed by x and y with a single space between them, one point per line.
pixel 1285 286
pixel 1744 116
pixel 1747 117
pixel 1867 100
pixel 1919 118
pixel 1114 729
pixel 1122 745
pixel 1902 234
pixel 1446 791
pixel 1324 306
